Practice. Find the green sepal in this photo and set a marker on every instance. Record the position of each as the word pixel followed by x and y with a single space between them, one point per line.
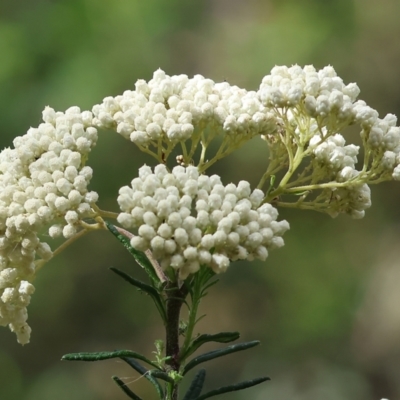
pixel 153 293
pixel 145 373
pixel 139 256
pixel 222 337
pixel 125 389
pixel 106 355
pixel 196 386
pixel 218 353
pixel 233 388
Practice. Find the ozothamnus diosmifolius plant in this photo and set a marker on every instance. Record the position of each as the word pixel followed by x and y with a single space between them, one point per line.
pixel 182 225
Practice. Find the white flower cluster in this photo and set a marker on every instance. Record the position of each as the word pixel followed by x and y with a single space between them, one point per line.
pixel 317 105
pixel 353 200
pixel 383 138
pixel 42 180
pixel 323 97
pixel 188 220
pixel 174 109
pixel 332 154
pixel 185 218
pixel 320 93
pixel 336 162
pixel 333 160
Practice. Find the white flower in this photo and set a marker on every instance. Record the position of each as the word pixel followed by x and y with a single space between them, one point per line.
pixel 42 182
pixel 353 200
pixel 317 105
pixel 185 231
pixel 172 109
pixel 334 155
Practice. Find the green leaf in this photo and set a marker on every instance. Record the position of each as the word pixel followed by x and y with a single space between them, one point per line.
pixel 212 283
pixel 233 388
pixel 161 375
pixel 139 284
pixel 125 389
pixel 153 293
pixel 271 185
pixel 145 373
pixel 106 355
pixel 196 386
pixel 222 337
pixel 219 353
pixel 139 256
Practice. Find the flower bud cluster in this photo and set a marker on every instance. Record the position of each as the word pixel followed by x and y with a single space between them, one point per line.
pixel 172 109
pixel 314 107
pixel 353 200
pixel 332 154
pixel 187 219
pixel 335 161
pixel 43 182
pixel 320 94
pixel 383 140
pixel 331 105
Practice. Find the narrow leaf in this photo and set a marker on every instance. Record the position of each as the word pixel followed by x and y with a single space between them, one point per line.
pixel 219 353
pixel 125 389
pixel 161 375
pixel 203 291
pixel 145 373
pixel 233 388
pixel 139 256
pixel 105 355
pixel 222 337
pixel 145 288
pixel 139 284
pixel 196 386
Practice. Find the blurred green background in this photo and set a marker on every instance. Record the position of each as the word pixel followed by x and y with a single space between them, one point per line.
pixel 326 306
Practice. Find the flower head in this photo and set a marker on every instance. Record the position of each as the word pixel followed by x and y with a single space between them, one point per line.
pixel 314 108
pixel 43 182
pixel 169 110
pixel 188 219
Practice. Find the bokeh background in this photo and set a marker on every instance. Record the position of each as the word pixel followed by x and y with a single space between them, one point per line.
pixel 326 306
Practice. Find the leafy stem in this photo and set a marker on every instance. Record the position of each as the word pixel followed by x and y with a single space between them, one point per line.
pixel 197 292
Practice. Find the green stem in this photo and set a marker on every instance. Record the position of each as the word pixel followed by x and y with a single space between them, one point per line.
pixel 294 163
pixel 107 214
pixel 194 143
pixel 272 169
pixel 40 263
pixel 185 153
pixel 203 152
pixel 86 229
pixel 303 206
pixel 148 151
pixel 222 152
pixel 196 297
pixel 326 185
